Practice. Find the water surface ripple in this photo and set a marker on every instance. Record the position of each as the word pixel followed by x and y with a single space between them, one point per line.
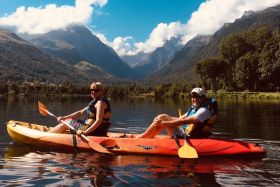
pixel 251 121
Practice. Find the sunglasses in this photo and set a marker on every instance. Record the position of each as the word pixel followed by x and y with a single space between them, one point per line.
pixel 95 90
pixel 194 96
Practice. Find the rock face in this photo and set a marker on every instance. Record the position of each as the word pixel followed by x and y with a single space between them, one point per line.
pixel 147 63
pixel 182 61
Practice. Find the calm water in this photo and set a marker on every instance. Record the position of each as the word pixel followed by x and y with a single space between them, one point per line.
pixel 253 121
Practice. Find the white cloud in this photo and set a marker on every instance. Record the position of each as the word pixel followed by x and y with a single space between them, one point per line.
pixel 122 45
pixel 40 20
pixel 162 33
pixel 210 16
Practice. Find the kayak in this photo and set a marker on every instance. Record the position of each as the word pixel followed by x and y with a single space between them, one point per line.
pixel 120 143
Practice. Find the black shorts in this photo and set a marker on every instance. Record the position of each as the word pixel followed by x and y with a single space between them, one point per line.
pixel 198 132
pixel 101 130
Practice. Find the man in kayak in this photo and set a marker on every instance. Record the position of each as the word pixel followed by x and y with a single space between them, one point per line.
pixel 98 112
pixel 196 122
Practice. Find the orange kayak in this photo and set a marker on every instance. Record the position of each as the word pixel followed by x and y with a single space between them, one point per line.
pixel 39 136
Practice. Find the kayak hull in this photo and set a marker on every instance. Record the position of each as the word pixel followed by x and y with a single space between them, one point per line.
pixel 119 143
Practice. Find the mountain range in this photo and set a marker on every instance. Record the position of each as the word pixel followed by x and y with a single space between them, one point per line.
pixel 182 66
pixel 22 61
pixel 76 44
pixel 182 62
pixel 76 54
pixel 147 63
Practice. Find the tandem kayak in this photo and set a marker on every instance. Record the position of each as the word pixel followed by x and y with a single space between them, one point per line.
pixel 119 143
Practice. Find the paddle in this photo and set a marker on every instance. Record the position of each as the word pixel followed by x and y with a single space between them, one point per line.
pixel 95 146
pixel 186 151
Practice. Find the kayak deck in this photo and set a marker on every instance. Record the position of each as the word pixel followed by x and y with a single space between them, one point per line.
pixel 120 143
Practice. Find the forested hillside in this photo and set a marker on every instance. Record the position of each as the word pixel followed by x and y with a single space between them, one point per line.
pixel 248 60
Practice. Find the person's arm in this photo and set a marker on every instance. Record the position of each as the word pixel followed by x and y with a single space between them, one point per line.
pixel 200 116
pixel 74 115
pixel 100 108
pixel 180 121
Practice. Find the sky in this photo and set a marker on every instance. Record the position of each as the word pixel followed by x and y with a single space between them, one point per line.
pixel 128 26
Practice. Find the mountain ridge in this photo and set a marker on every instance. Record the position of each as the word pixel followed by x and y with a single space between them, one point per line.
pixel 183 68
pixel 76 44
pixel 22 61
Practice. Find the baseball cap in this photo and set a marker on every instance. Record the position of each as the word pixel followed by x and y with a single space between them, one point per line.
pixel 198 91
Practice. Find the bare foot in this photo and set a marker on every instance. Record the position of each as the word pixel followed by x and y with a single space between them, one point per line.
pixel 139 136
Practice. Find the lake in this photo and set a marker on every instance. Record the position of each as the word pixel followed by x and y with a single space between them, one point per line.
pixel 252 121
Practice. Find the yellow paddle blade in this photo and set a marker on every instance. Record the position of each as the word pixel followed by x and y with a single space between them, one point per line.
pixel 180 112
pixel 42 109
pixel 187 151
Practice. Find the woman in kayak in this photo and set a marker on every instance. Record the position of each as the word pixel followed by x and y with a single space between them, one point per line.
pixel 196 122
pixel 98 112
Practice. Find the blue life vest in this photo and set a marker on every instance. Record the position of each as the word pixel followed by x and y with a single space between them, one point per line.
pixel 211 105
pixel 91 111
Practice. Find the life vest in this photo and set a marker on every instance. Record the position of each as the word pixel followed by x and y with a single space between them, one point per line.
pixel 206 125
pixel 91 111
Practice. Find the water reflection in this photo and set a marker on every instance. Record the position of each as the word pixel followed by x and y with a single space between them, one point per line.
pixel 252 121
pixel 25 165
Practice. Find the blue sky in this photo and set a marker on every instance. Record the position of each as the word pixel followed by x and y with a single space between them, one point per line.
pixel 128 26
pixel 139 17
pixel 135 18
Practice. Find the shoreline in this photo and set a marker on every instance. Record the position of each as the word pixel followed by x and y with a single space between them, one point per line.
pixel 219 95
pixel 228 95
pixel 246 95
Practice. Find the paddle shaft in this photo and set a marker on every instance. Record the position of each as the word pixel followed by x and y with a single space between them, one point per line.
pixel 68 125
pixel 95 146
pixel 186 151
pixel 185 135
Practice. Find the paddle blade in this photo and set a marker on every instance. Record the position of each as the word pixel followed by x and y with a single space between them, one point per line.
pixel 42 109
pixel 99 148
pixel 187 151
pixel 180 112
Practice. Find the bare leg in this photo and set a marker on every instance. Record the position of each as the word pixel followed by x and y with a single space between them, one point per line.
pixel 170 131
pixel 60 128
pixel 153 130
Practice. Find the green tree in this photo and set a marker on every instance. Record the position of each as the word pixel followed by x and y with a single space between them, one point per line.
pixel 257 37
pixel 3 88
pixel 269 65
pixel 233 47
pixel 245 75
pixel 212 69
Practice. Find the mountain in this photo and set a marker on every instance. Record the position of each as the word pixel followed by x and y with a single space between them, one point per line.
pixel 182 66
pixel 91 69
pixel 76 44
pixel 147 63
pixel 182 60
pixel 22 61
pixel 135 60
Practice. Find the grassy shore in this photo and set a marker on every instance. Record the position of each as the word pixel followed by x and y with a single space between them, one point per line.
pixel 220 95
pixel 245 95
pixel 225 95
